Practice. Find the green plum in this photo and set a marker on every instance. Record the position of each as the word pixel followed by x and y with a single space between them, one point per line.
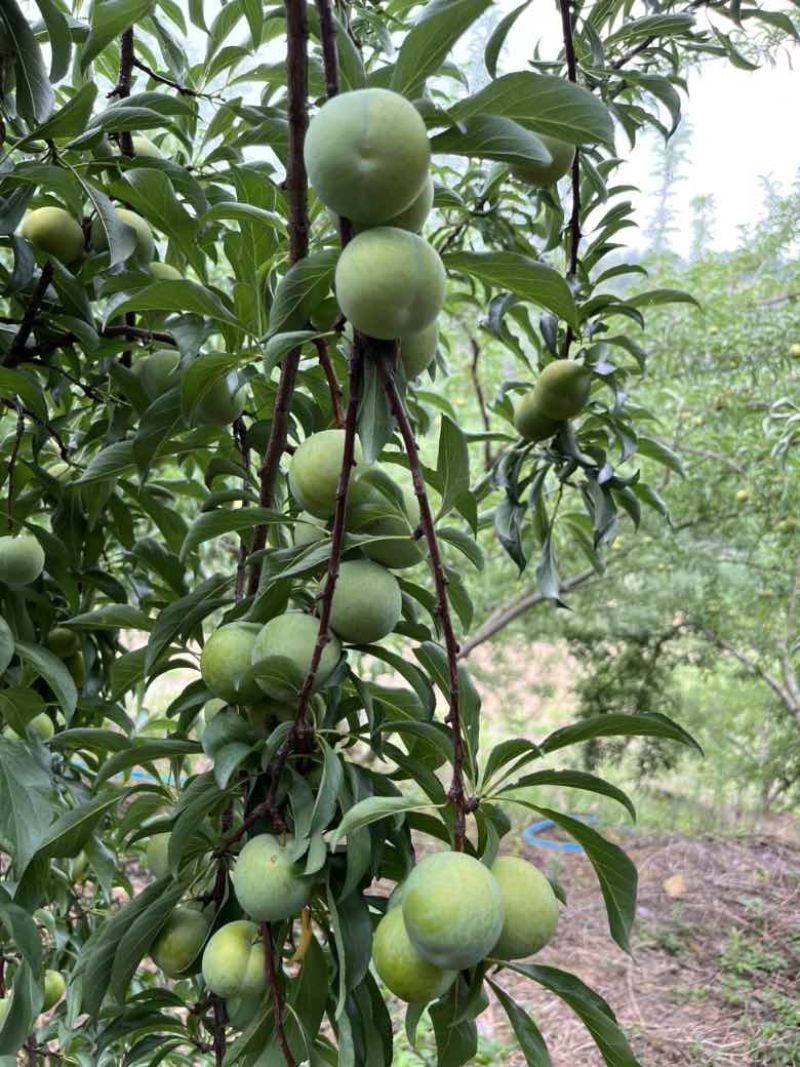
pixel 530 908
pixel 389 283
pixel 179 941
pixel 314 471
pixel 225 660
pixel 400 966
pixel 21 559
pixel 546 174
pixel 265 881
pixel 289 639
pixel 367 602
pixel 367 155
pixel 54 232
pixel 234 961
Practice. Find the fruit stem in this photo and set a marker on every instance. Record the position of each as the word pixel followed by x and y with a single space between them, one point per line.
pixel 456 793
pixel 575 215
pixel 296 188
pixel 274 988
pixel 324 356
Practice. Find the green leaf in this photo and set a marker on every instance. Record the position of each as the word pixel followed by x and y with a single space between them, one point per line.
pixel 657 297
pixel 572 780
pixel 495 43
pixel 661 453
pixel 34 95
pixel 492 137
pixel 178 296
pixel 121 239
pixel 588 1006
pixel 54 672
pixel 301 290
pixel 452 463
pixel 59 38
pixel 135 943
pixel 112 617
pixel 613 724
pixel 6 645
pixel 143 752
pixel 212 524
pixel 430 40
pixel 109 462
pixel 517 273
pixel 14 383
pixel 25 805
pixel 183 615
pixel 531 1042
pixel 545 103
pixel 651 26
pixel 456 1034
pixel 110 18
pixel 70 119
pixel 371 810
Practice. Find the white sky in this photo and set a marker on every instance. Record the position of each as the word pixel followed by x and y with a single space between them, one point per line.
pixel 744 127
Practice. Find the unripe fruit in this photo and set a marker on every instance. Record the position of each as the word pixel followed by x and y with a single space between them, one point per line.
pixel 76 665
pixel 529 421
pixel 314 471
pixel 144 147
pixel 233 961
pixel 223 403
pixel 79 868
pixel 389 283
pixel 367 602
pixel 226 657
pixel 158 372
pixel 562 389
pixel 145 245
pixel 5 1004
pixel 21 559
pixel 414 216
pixel 55 232
pixel 54 988
pixel 367 155
pixel 545 174
pixel 400 966
pixel 794 351
pixel 290 638
pixel 41 726
pixel 62 642
pixel 418 350
pixel 211 709
pixel 370 511
pixel 265 881
pixel 165 272
pixel 742 496
pixel 453 910
pixel 307 530
pixel 157 855
pixel 530 908
pixel 179 941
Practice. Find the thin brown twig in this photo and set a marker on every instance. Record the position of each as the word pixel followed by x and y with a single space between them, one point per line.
pixel 334 388
pixel 12 466
pixel 618 64
pixel 575 215
pixel 327 33
pixel 184 90
pixel 273 984
pixel 481 398
pixel 17 350
pixel 240 436
pixel 296 188
pixel 456 793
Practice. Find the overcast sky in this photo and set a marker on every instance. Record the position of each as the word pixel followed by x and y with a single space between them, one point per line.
pixel 744 127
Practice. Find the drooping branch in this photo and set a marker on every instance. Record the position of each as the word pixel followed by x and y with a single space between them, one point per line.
pixel 456 793
pixel 575 235
pixel 296 188
pixel 505 615
pixel 751 664
pixel 17 351
pixel 12 467
pixel 273 984
pixel 334 388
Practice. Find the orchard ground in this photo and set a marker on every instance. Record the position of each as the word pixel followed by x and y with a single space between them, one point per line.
pixel 716 949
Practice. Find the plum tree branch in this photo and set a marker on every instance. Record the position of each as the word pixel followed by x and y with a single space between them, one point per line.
pixel 12 466
pixel 334 388
pixel 17 350
pixel 481 398
pixel 456 793
pixel 127 58
pixel 575 235
pixel 273 984
pixel 184 90
pixel 240 436
pixel 296 188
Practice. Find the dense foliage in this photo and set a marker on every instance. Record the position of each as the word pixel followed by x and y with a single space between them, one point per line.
pixel 182 473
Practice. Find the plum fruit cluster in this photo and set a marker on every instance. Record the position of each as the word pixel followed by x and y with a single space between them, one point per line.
pixel 368 160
